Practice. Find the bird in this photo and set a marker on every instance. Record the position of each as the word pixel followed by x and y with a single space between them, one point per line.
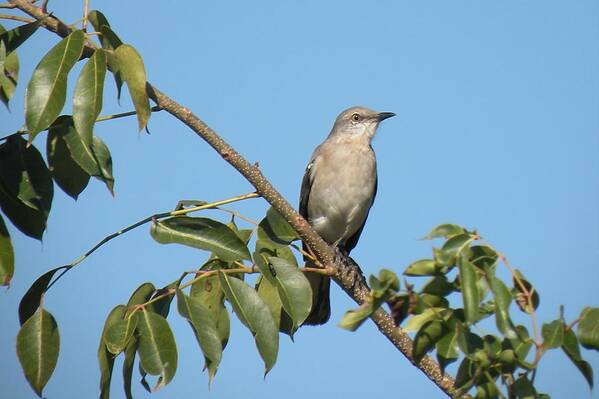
pixel 338 189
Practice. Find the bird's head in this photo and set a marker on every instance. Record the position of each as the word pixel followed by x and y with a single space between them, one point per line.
pixel 358 122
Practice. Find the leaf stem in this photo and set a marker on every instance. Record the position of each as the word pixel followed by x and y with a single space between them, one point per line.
pixel 149 219
pixel 202 274
pixel 327 271
pixel 103 118
pixel 239 215
pixel 528 294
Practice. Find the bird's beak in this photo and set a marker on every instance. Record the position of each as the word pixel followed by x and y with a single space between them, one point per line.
pixel 384 115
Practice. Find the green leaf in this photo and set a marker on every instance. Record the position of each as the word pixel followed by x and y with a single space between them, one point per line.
pixel 128 364
pixel 503 298
pixel 94 160
pixel 109 41
pixel 483 256
pixel 275 228
pixel 204 326
pixel 385 282
pixel 521 343
pixel 255 315
pixel 508 359
pixel 67 173
pixel 25 175
pixel 38 344
pixel 588 328
pixel 97 19
pixel 119 333
pixel 33 297
pixel 553 334
pixel 527 303
pixel 457 243
pixel 444 260
pixel 142 294
pixel 46 91
pixel 105 358
pixel 243 234
pixel 447 348
pixel 294 289
pixel 157 349
pixel 439 286
pixel 26 188
pixel 445 230
pixel 269 294
pixel 466 373
pixel 353 319
pixel 468 342
pixel 7 255
pixel 162 305
pixel 132 70
pixel 266 248
pixel 470 293
pixel 433 301
pixel 104 160
pixel 417 321
pixel 87 98
pixel 210 294
pixel 9 73
pixel 422 267
pixel 571 349
pixel 201 233
pixel 426 338
pixel 384 288
pixel 492 345
pixel 522 388
pixel 487 390
pixel 79 151
pixel 17 36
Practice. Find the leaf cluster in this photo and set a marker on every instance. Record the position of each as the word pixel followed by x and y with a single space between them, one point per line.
pixel 463 272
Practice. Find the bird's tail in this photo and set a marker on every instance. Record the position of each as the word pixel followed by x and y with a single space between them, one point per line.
pixel 321 304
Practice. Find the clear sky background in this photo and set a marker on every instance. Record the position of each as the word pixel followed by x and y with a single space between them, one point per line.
pixel 497 129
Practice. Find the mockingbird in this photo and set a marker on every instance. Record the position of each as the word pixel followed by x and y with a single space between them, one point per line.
pixel 338 189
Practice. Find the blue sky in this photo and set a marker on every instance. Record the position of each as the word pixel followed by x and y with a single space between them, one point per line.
pixel 497 129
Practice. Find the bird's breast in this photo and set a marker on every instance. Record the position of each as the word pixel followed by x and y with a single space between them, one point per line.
pixel 342 190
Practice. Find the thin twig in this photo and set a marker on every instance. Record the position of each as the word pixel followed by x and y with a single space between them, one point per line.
pixel 102 118
pixel 203 275
pixel 16 18
pixel 7 5
pixel 306 254
pixel 528 295
pixel 85 11
pixel 149 219
pixel 325 272
pixel 239 215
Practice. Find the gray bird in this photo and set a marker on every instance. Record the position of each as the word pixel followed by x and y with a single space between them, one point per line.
pixel 338 189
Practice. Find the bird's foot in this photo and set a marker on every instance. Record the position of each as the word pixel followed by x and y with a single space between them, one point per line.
pixel 340 256
pixel 350 270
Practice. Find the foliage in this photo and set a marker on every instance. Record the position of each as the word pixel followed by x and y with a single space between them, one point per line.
pixel 280 299
pixel 467 267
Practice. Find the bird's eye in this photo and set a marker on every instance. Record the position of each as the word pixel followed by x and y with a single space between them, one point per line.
pixel 355 117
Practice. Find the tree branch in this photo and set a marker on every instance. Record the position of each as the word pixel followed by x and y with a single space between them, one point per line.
pixel 348 275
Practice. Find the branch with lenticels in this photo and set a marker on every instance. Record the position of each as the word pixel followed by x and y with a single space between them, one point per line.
pixel 347 273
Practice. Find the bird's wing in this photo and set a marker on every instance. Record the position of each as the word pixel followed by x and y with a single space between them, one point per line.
pixel 306 188
pixel 352 241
